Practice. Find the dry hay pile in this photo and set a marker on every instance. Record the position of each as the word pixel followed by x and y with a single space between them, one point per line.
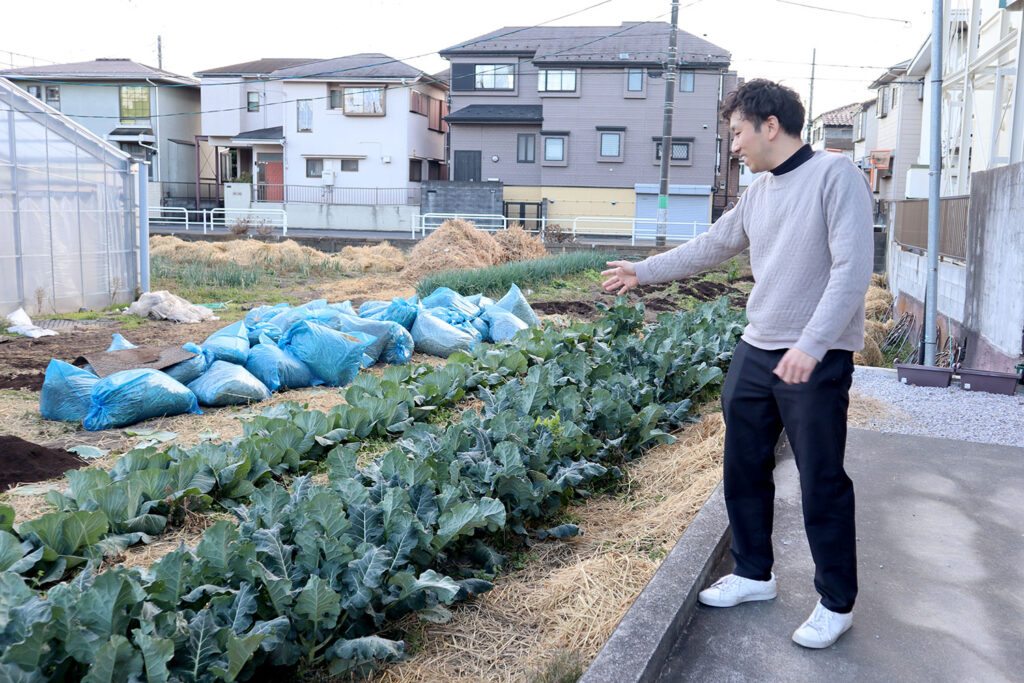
pixel 562 607
pixel 455 245
pixel 877 303
pixel 279 257
pixel 870 354
pixel 519 245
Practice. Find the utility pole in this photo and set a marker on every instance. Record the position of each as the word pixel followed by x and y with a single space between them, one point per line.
pixel 159 52
pixel 810 101
pixel 666 128
pixel 934 178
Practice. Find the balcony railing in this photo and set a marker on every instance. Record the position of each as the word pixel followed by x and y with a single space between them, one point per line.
pixel 326 194
pixel 911 225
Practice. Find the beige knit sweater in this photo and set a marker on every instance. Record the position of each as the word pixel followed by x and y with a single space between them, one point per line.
pixel 811 249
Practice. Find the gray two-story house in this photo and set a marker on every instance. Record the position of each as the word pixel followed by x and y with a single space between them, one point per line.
pixel 572 116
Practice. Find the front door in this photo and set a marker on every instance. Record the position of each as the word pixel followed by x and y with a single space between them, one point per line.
pixel 467 165
pixel 270 177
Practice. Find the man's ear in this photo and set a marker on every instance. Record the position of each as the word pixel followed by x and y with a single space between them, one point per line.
pixel 773 127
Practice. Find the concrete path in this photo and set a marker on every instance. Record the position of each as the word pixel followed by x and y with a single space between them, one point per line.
pixel 941 562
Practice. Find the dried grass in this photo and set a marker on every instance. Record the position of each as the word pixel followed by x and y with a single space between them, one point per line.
pixel 879 280
pixel 189 534
pixel 360 289
pixel 519 245
pixel 278 257
pixel 868 412
pixel 870 355
pixel 877 303
pixel 571 596
pixel 455 245
pixel 876 330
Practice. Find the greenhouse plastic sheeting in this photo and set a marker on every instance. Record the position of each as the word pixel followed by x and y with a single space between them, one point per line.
pixel 131 396
pixel 68 215
pixel 66 391
pixel 227 384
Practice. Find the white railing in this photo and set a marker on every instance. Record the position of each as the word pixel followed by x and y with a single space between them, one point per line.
pixel 635 228
pixel 222 218
pixel 168 215
pixel 490 222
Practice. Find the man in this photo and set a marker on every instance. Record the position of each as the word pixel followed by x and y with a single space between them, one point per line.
pixel 808 226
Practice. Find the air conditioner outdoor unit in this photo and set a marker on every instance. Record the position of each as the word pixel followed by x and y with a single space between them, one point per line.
pixel 327 177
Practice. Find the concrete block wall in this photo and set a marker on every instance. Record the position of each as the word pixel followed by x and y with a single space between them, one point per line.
pixel 908 275
pixel 450 196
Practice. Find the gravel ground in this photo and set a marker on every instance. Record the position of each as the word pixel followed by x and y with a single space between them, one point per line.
pixel 950 413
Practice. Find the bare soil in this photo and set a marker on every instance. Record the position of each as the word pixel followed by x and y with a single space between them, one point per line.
pixel 23 462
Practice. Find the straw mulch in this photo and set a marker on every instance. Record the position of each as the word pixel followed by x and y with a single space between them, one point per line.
pixel 567 600
pixel 877 303
pixel 870 413
pixel 519 245
pixel 359 289
pixel 870 354
pixel 279 257
pixel 455 245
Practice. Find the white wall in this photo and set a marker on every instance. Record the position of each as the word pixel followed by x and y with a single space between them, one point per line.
pixel 82 101
pixel 215 97
pixel 908 273
pixel 177 162
pixel 423 142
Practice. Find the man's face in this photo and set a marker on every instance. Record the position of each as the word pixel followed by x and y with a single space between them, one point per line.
pixel 752 145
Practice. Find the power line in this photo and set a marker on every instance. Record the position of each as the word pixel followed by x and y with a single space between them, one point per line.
pixel 337 71
pixel 839 11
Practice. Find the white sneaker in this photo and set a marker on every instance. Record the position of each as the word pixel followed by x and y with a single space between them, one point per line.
pixel 731 590
pixel 822 628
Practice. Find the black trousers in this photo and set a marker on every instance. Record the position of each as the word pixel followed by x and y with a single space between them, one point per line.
pixel 757 405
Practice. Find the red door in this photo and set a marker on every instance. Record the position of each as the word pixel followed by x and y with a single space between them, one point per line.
pixel 275 181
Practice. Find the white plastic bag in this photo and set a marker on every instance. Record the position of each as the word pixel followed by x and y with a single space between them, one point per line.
pixel 22 324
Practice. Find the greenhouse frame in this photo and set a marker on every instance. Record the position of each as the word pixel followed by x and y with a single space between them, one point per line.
pixel 69 215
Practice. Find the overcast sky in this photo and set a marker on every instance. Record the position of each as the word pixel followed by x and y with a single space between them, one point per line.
pixel 767 38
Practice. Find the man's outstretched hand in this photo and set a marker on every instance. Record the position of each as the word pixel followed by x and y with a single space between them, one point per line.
pixel 795 367
pixel 621 276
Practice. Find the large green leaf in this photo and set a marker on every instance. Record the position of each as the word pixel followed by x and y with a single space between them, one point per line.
pixel 239 651
pixel 200 652
pixel 116 660
pixel 156 653
pixel 363 576
pixel 461 520
pixel 360 656
pixel 272 552
pixel 319 605
pixel 6 518
pixel 107 607
pixel 172 575
pixel 26 633
pixel 442 586
pixel 323 509
pixel 366 524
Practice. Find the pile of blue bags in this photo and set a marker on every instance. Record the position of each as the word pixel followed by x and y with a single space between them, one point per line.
pixel 283 347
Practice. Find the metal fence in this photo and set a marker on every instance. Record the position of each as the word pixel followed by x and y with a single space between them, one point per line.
pixel 68 214
pixel 208 192
pixel 604 228
pixel 911 225
pixel 328 194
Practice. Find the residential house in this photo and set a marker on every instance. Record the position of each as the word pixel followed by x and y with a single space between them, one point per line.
pixel 833 130
pixel 316 136
pixel 148 113
pixel 898 115
pixel 571 117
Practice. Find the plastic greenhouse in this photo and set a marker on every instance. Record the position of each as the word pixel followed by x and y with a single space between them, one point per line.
pixel 68 212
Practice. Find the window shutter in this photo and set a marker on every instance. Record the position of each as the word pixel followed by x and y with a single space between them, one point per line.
pixel 463 76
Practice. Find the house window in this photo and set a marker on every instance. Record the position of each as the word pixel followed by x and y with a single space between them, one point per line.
pixel 611 144
pixel 35 91
pixel 882 106
pixel 556 80
pixel 635 80
pixel 53 96
pixel 495 76
pixel 419 103
pixel 139 153
pixel 554 149
pixel 435 120
pixel 252 101
pixel 415 170
pixel 680 151
pixel 686 81
pixel 360 101
pixel 304 116
pixel 350 165
pixel 526 145
pixel 314 168
pixel 893 95
pixel 134 104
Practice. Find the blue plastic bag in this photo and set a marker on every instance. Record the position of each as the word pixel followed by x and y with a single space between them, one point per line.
pixel 279 369
pixel 131 396
pixel 515 303
pixel 436 337
pixel 188 370
pixel 229 343
pixel 449 298
pixel 333 356
pixel 66 391
pixel 120 344
pixel 262 314
pixel 260 329
pixel 398 311
pixel 393 343
pixel 482 326
pixel 294 315
pixel 227 384
pixel 368 308
pixel 503 325
pixel 344 307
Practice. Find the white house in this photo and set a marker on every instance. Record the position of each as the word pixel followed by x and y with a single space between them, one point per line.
pixel 337 143
pixel 148 113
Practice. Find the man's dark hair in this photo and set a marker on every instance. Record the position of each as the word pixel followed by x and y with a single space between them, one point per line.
pixel 760 98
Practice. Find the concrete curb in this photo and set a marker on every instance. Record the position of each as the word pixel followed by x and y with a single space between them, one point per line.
pixel 643 639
